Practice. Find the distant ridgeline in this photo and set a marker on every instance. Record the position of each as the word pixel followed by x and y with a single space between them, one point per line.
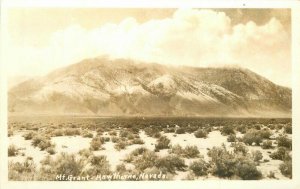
pixel 102 86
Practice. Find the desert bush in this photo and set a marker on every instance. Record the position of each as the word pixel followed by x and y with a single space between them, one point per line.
pixel 170 164
pixel 257 127
pixel 42 142
pixel 88 135
pixel 180 131
pixel 200 133
pixel 57 132
pixel 288 129
pixel 199 167
pixel 208 129
pixel 279 126
pixel 29 135
pixel 10 132
pixel 105 139
pixel 162 143
pixel 121 168
pixel 120 145
pixel 71 132
pixel 281 154
pixel 96 144
pixel 222 162
pixel 242 129
pixel 191 152
pixel 284 141
pixel 231 138
pixel 115 139
pixel 113 133
pixel 286 168
pixel 267 144
pixel 64 163
pixel 252 136
pixel 123 133
pixel 247 170
pixel 24 171
pixel 256 155
pixel 51 150
pixel 265 133
pixel 12 150
pixel 146 160
pixel 239 148
pixel 86 153
pixel 271 175
pixel 138 141
pixel 227 130
pixel 99 165
pixel 177 149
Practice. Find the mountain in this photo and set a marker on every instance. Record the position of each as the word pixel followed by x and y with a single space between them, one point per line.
pixel 103 86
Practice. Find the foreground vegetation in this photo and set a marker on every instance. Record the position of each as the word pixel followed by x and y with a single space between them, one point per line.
pixel 232 161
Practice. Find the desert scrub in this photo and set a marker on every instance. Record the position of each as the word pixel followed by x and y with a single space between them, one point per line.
pixel 199 167
pixel 190 152
pixel 64 163
pixel 29 135
pixel 120 145
pixel 247 170
pixel 288 129
pixel 71 132
pixel 265 133
pixel 281 154
pixel 267 144
pixel 51 150
pixel 99 165
pixel 180 131
pixel 240 148
pixel 87 134
pixel 115 139
pixel 138 141
pixel 10 133
pixel 176 149
pixel 252 136
pixel 162 143
pixel 227 164
pixel 256 155
pixel 170 164
pixel 124 134
pixel 112 133
pixel 96 144
pixel 227 130
pixel 242 129
pixel 42 142
pixel 24 171
pixel 231 138
pixel 145 160
pixel 137 152
pixel 57 132
pixel 85 153
pixel 200 133
pixel 286 168
pixel 222 161
pixel 12 150
pixel 284 141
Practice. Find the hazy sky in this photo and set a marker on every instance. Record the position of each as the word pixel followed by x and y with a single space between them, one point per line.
pixel 40 40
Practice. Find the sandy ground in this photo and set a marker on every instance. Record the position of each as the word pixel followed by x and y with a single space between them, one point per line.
pixel 74 144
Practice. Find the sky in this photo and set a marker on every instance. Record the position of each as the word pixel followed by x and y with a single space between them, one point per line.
pixel 39 40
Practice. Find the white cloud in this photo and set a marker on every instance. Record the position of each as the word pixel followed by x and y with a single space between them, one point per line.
pixel 189 37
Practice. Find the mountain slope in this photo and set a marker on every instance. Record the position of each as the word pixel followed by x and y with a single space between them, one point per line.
pixel 102 86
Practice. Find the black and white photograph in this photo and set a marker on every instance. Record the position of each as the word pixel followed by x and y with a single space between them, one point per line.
pixel 148 94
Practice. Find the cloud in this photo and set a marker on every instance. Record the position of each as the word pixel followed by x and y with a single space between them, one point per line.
pixel 190 37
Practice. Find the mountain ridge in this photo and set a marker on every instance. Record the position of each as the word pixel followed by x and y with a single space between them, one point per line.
pixel 104 86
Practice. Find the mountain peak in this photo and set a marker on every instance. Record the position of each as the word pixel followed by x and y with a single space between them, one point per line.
pixel 105 86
